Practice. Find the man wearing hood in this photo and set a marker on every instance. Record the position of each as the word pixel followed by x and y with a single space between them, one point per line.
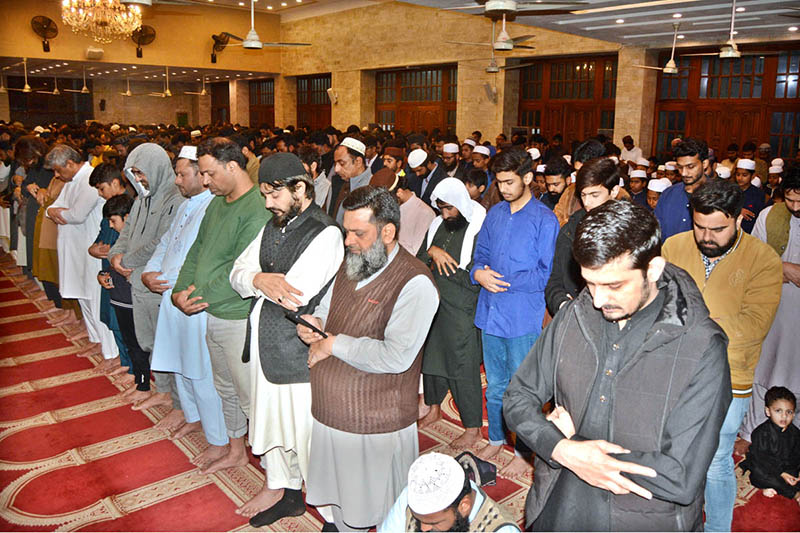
pixel 452 356
pixel 151 216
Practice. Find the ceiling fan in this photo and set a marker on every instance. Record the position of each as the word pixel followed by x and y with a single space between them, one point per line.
pixel 252 41
pixel 495 9
pixel 729 50
pixel 55 91
pixel 127 87
pixel 26 88
pixel 203 92
pixel 166 92
pixel 503 42
pixel 792 16
pixel 45 28
pixel 82 90
pixel 671 67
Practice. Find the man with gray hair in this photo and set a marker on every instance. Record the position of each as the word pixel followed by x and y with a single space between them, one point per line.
pixel 78 211
pixel 151 216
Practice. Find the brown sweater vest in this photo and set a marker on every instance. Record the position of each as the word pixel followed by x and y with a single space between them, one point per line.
pixel 349 399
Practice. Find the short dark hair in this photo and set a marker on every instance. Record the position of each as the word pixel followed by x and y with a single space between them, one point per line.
pixel 597 172
pixel 616 228
pixel 587 150
pixel 119 205
pixel 309 155
pixel 780 393
pixel 105 173
pixel 749 146
pixel 223 150
pixel 477 177
pixel 691 147
pixel 718 195
pixel 382 203
pixel 733 147
pixel 557 166
pixel 627 139
pixel 791 180
pixel 514 160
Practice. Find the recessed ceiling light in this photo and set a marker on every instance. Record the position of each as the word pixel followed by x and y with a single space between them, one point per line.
pixel 115 70
pixel 91 74
pixel 147 77
pixel 735 32
pixel 269 7
pixel 64 63
pixel 677 16
pixel 133 66
pixel 183 72
pixel 619 21
pixel 217 77
pixel 680 36
pixel 250 73
pixel 792 28
pixel 299 1
pixel 740 9
pixel 241 3
pixel 283 4
pixel 123 68
pixel 198 79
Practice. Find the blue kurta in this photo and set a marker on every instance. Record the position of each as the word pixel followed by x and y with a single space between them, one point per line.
pixel 180 342
pixel 672 211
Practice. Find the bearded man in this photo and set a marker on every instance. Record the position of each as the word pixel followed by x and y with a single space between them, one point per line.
pixel 365 370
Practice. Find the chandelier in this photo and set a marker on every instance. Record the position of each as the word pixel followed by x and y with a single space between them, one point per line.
pixel 102 20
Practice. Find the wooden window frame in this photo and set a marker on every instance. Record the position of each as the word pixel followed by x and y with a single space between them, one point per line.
pixel 399 92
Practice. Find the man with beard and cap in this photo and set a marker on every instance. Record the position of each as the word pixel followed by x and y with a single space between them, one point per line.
pixel 454 167
pixel 78 211
pixel 452 357
pixel 692 164
pixel 441 497
pixel 779 227
pixel 180 344
pixel 232 219
pixel 286 268
pixel 151 216
pixel 365 372
pixel 426 173
pixel 740 278
pixel 350 165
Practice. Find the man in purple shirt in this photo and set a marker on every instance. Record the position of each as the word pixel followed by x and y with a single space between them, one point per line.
pixel 512 262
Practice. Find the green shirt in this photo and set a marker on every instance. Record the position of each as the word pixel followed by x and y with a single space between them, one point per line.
pixel 226 230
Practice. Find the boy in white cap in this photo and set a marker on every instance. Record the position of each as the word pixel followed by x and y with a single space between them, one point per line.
pixel 654 189
pixel 774 177
pixel 671 172
pixel 754 200
pixel 638 185
pixel 480 160
pixel 466 149
pixel 723 172
pixel 440 497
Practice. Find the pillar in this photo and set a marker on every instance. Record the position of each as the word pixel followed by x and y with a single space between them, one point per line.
pixel 285 100
pixel 5 108
pixel 477 108
pixel 636 97
pixel 355 102
pixel 239 91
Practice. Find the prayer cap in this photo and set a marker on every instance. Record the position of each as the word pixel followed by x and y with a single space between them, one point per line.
pixel 670 165
pixel 756 182
pixel 395 151
pixel 568 158
pixel 114 127
pixel 188 152
pixel 38 129
pixel 643 162
pixel 540 169
pixel 775 170
pixel 354 144
pixel 417 157
pixel 482 150
pixel 777 162
pixel 621 182
pixel 280 166
pixel 131 128
pixel 662 167
pixel 451 148
pixel 470 142
pixel 572 177
pixel 195 133
pixel 638 174
pixel 747 164
pixel 535 153
pixel 723 172
pixel 434 482
pixel 657 185
pixel 764 146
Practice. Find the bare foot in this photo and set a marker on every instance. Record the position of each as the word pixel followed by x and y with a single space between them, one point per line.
pixel 516 468
pixel 90 350
pixel 433 416
pixel 158 398
pixel 488 452
pixel 231 459
pixel 171 422
pixel 137 397
pixel 262 501
pixel 127 392
pixel 467 439
pixel 770 493
pixel 125 380
pixel 424 408
pixel 120 370
pixel 107 365
pixel 741 446
pixel 209 455
pixel 77 335
pixel 189 427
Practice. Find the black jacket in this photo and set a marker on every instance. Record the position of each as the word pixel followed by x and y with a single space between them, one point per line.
pixel 565 279
pixel 670 399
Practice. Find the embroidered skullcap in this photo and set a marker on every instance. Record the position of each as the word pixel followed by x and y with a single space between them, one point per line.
pixel 621 182
pixel 354 144
pixel 756 182
pixel 777 162
pixel 450 148
pixel 535 153
pixel 658 186
pixel 747 164
pixel 775 170
pixel 482 150
pixel 470 142
pixel 638 174
pixel 723 172
pixel 188 152
pixel 572 177
pixel 417 157
pixel 38 129
pixel 434 482
pixel 279 167
pixel 642 162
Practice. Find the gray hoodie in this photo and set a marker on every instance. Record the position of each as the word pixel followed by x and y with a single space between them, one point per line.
pixel 150 217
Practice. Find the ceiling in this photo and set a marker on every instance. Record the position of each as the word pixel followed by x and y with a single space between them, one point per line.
pixel 649 22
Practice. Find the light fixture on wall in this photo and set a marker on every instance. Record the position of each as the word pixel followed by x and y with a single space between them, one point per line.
pixel 103 21
pixel 491 92
pixel 332 96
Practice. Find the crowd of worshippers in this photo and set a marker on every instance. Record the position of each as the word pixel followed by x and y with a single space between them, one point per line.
pixel 314 296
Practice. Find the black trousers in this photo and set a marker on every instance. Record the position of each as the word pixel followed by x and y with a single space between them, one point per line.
pixel 140 360
pixel 466 393
pixel 51 290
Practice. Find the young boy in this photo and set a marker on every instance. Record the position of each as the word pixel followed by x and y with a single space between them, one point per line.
pixel 475 181
pixel 654 189
pixel 637 182
pixel 774 455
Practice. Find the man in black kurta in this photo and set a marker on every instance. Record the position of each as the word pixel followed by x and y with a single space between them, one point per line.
pixel 452 355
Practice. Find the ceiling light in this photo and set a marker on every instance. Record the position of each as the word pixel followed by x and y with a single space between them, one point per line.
pixel 299 1
pixel 681 36
pixel 183 72
pixel 250 73
pixel 133 66
pixel 619 21
pixel 283 4
pixel 115 70
pixel 269 7
pixel 241 3
pixel 792 28
pixel 102 21
pixel 740 9
pixel 677 16
pixel 735 32
pixel 65 63
pixel 217 77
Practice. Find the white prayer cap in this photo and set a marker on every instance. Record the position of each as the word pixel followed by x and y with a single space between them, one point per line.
pixel 756 182
pixel 131 128
pixel 354 144
pixel 188 152
pixel 470 142
pixel 483 150
pixel 540 169
pixel 723 172
pixel 775 170
pixel 38 129
pixel 434 482
pixel 621 183
pixel 670 166
pixel 114 127
pixel 658 186
pixel 452 191
pixel 572 177
pixel 415 158
pixel 535 153
pixel 764 146
pixel 195 133
pixel 747 164
pixel 568 159
pixel 638 174
pixel 643 162
pixel 662 167
pixel 450 148
pixel 614 158
pixel 654 175
pixel 777 162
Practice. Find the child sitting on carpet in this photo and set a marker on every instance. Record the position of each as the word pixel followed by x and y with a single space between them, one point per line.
pixel 774 455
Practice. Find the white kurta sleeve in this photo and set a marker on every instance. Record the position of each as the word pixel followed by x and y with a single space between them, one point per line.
pixel 317 264
pixel 154 263
pixel 245 268
pixel 760 227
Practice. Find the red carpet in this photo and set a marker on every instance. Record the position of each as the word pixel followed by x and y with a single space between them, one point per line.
pixel 73 456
